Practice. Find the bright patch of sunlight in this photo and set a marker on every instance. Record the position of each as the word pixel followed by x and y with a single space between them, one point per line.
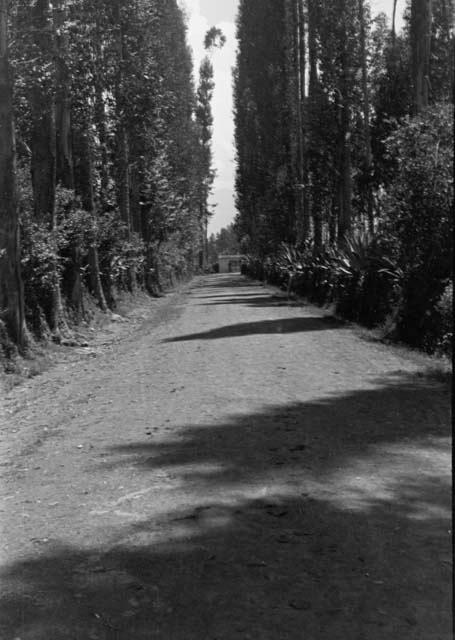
pixel 194 469
pixel 413 478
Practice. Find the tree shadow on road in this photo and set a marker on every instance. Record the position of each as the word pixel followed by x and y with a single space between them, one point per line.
pixel 228 296
pixel 264 327
pixel 399 408
pixel 254 301
pixel 327 519
pixel 226 281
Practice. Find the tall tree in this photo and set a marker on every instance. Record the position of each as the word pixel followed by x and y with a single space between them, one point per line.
pixel 214 38
pixel 204 119
pixel 110 168
pixel 315 108
pixel 345 201
pixel 43 145
pixel 11 289
pixel 266 178
pixel 296 76
pixel 337 67
pixel 421 21
pixel 368 158
pixel 122 141
pixel 442 55
pixel 64 157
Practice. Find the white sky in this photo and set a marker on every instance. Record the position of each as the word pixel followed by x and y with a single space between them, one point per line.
pixel 203 14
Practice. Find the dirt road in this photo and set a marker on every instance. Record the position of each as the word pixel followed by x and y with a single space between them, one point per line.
pixel 235 467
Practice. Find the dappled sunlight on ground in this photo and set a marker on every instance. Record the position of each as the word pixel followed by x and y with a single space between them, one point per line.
pixel 415 477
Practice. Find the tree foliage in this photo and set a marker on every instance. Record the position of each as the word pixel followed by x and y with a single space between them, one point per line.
pixel 344 136
pixel 113 151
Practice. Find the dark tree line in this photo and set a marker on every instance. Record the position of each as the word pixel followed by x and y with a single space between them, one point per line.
pixel 105 164
pixel 344 144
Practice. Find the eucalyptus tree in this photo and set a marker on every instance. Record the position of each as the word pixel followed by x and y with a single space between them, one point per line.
pixel 421 21
pixel 11 288
pixel 105 115
pixel 367 169
pixel 43 144
pixel 266 177
pixel 296 58
pixel 442 54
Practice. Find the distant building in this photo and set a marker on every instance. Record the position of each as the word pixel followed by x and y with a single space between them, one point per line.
pixel 230 264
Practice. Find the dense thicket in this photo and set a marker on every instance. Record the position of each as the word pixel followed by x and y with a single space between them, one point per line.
pixel 344 135
pixel 108 181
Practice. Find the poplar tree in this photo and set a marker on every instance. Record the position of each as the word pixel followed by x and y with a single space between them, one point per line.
pixel 214 39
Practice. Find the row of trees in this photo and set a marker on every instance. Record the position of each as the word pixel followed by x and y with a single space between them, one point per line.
pixel 332 107
pixel 105 164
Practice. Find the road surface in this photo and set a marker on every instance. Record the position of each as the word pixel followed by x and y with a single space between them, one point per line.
pixel 233 466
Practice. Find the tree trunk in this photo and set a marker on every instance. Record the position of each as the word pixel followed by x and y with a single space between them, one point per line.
pixel 333 220
pixel 64 166
pixel 368 161
pixel 43 138
pixel 345 219
pixel 43 147
pixel 205 244
pixel 300 73
pixel 64 158
pixel 421 19
pixel 317 225
pixel 11 289
pixel 84 189
pixel 394 17
pixel 123 153
pixel 449 20
pixel 150 278
pixel 314 106
pixel 123 177
pixel 306 208
pixel 123 172
pixel 294 218
pixel 100 119
pixel 135 197
pixel 298 224
pixel 100 123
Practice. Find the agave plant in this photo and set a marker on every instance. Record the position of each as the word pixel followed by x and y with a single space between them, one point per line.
pixel 355 257
pixel 289 259
pixel 390 269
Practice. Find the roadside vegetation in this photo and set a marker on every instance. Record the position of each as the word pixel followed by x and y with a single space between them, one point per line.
pixel 345 186
pixel 105 159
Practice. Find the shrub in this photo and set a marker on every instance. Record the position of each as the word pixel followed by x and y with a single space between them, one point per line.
pixel 46 254
pixel 368 278
pixel 444 309
pixel 401 275
pixel 418 219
